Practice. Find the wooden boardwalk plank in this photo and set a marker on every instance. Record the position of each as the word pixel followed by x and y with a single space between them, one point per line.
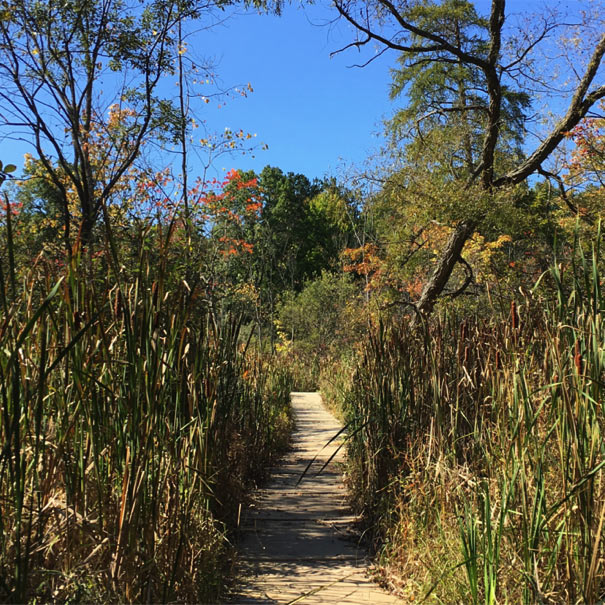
pixel 296 544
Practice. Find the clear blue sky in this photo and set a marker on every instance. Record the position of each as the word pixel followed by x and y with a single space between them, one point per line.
pixel 310 109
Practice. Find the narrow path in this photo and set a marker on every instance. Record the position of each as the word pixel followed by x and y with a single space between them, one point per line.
pixel 296 546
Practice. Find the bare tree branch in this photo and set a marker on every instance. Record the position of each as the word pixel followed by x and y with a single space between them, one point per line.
pixel 564 196
pixel 467 281
pixel 579 106
pixel 340 7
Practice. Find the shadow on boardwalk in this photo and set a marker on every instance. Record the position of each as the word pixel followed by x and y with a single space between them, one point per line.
pixel 296 545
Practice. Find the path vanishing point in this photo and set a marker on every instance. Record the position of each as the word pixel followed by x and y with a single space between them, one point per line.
pixel 296 544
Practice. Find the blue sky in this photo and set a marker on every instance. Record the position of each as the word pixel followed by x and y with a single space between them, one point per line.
pixel 315 112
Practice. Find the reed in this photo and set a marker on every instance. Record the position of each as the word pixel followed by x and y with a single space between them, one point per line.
pixel 481 441
pixel 133 419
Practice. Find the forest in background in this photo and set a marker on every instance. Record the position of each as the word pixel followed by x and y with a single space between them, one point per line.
pixel 446 300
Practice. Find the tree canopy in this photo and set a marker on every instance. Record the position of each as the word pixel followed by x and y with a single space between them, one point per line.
pixel 471 85
pixel 81 83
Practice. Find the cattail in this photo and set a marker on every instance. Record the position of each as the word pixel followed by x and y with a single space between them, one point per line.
pixel 514 316
pixel 578 357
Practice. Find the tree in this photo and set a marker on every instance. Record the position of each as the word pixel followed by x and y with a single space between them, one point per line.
pixel 286 231
pixel 333 216
pixel 471 79
pixel 80 82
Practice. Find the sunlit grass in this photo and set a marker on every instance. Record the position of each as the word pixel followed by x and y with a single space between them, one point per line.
pixel 478 462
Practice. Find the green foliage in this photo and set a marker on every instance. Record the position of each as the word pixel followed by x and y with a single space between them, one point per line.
pixel 519 235
pixel 333 218
pixel 435 175
pixel 137 399
pixel 282 230
pixel 287 236
pixel 325 320
pixel 456 157
pixel 450 95
pixel 324 316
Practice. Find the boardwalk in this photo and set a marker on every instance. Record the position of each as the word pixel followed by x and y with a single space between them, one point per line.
pixel 296 546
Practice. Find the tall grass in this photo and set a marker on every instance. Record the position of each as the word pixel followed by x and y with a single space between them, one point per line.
pixel 480 451
pixel 132 418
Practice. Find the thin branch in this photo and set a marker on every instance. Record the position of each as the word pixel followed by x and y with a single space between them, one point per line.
pixel 563 192
pixel 382 39
pixel 356 44
pixel 371 59
pixel 441 43
pixel 521 57
pixel 467 282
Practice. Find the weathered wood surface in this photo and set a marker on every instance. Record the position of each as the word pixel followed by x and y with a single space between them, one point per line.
pixel 296 545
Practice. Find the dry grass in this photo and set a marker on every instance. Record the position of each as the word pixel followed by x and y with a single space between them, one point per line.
pixel 132 421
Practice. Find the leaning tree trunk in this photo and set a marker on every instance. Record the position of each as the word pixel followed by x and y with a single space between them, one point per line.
pixel 441 275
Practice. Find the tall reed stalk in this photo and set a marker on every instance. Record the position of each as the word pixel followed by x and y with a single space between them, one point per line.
pixel 488 433
pixel 132 418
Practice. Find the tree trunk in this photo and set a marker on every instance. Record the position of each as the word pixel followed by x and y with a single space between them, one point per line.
pixel 450 256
